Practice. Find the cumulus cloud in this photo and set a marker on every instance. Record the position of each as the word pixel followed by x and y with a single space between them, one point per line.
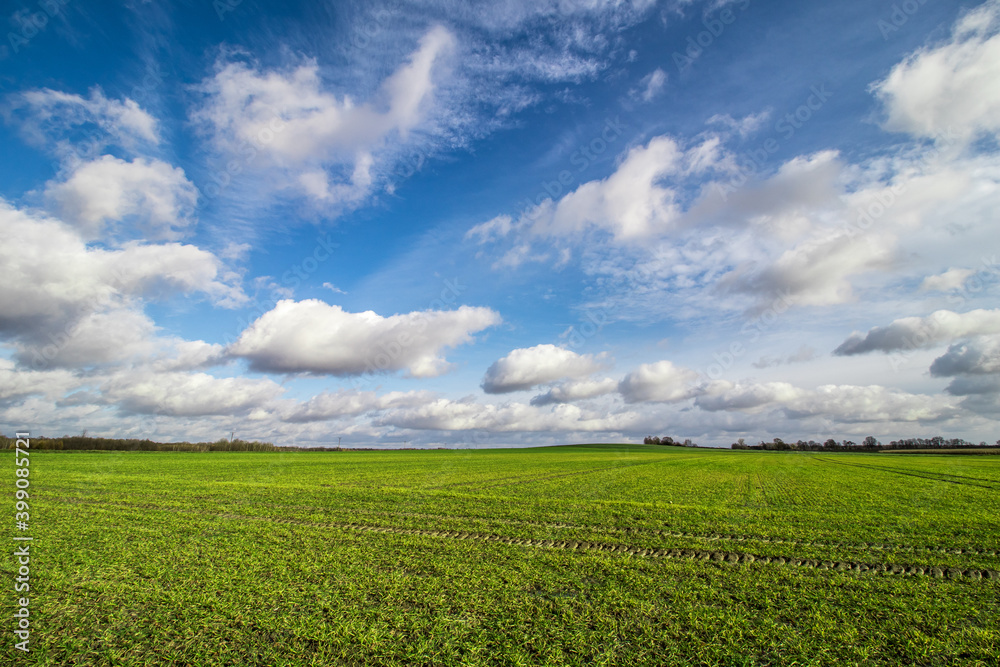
pixel 838 403
pixel 974 385
pixel 187 394
pixel 747 396
pixel 949 89
pixel 289 118
pixel 660 382
pixel 578 390
pixel 157 198
pixel 921 332
pixel 56 287
pixel 446 415
pixel 951 279
pixel 975 357
pixel 630 203
pixel 186 355
pixel 18 382
pixel 95 338
pixel 525 368
pixel 816 272
pixel 873 403
pixel 314 337
pixel 348 403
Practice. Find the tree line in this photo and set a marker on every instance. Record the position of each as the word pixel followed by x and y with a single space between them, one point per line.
pixel 81 442
pixel 668 441
pixel 869 444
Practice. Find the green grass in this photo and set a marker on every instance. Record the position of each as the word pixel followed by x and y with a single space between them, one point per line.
pixel 467 558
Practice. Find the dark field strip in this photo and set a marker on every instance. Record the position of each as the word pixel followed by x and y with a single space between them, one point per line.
pixel 937 478
pixel 939 474
pixel 717 556
pixel 522 479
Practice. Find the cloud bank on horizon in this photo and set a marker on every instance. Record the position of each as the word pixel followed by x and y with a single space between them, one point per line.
pixel 501 223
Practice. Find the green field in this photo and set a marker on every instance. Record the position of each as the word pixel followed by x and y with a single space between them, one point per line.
pixel 602 554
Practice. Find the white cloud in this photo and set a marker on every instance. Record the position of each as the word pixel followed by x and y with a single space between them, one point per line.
pixel 659 382
pixel 816 272
pixel 630 204
pixel 51 275
pixel 744 126
pixel 446 415
pixel 577 390
pixel 949 89
pixel 18 382
pixel 65 303
pixel 952 279
pixel 837 403
pixel 313 337
pixel 187 394
pixel 95 338
pixel 921 332
pixel 48 116
pixel 853 404
pixel 525 368
pixel 186 355
pixel 158 198
pixel 726 396
pixel 347 403
pixel 652 84
pixel 289 118
pixel 491 230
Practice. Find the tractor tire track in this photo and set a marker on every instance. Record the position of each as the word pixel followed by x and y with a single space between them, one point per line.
pixel 716 556
pixel 909 474
pixel 636 531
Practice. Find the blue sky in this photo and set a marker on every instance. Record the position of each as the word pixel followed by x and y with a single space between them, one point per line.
pixel 490 224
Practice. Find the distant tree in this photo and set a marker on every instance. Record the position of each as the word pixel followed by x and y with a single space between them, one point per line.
pixel 667 440
pixel 871 442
